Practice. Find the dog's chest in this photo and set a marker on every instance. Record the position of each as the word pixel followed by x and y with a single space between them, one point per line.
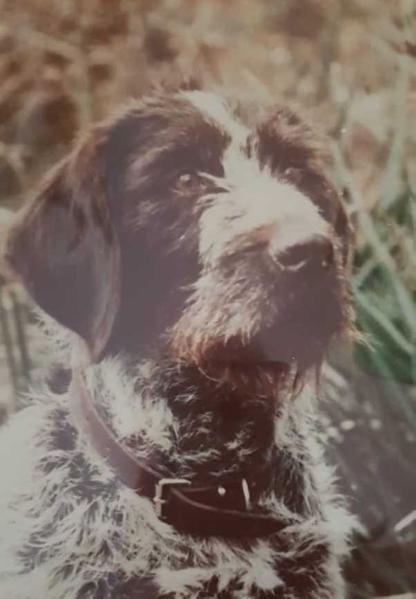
pixel 221 437
pixel 211 436
pixel 99 521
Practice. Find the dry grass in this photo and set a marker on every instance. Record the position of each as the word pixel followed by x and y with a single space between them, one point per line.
pixel 349 63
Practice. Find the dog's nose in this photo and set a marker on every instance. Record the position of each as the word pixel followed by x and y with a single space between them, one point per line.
pixel 316 253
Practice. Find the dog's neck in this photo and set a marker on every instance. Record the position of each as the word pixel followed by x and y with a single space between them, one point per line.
pixel 180 419
pixel 220 429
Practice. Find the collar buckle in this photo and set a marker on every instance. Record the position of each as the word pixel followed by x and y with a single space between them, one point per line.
pixel 161 493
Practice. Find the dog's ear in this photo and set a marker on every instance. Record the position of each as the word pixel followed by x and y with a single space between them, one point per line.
pixel 64 248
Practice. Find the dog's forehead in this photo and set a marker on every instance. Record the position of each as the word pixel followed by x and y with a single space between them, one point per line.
pixel 215 109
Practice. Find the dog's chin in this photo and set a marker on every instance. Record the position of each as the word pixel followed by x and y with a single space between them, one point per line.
pixel 257 366
pixel 300 334
pixel 293 343
pixel 289 341
pixel 248 377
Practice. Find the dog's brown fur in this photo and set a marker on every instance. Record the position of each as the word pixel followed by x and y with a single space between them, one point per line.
pixel 213 257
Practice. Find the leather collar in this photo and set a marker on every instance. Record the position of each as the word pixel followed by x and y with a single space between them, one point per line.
pixel 223 510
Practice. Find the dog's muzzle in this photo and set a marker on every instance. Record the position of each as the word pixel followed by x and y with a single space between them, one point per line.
pixel 223 510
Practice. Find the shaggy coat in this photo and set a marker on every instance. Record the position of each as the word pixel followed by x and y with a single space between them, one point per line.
pixel 196 255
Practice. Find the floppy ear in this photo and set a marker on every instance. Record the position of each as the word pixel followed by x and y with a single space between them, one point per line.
pixel 64 248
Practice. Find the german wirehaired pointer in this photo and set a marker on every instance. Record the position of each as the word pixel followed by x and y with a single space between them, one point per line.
pixel 195 253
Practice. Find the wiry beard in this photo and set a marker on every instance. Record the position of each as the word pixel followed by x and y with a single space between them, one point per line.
pixel 240 369
pixel 239 329
pixel 217 312
pixel 271 382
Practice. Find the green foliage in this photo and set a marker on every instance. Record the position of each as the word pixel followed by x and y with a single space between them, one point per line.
pixel 385 293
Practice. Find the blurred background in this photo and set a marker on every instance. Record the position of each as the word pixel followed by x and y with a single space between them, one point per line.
pixel 351 66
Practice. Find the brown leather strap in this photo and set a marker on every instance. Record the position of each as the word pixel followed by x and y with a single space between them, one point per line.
pixel 203 511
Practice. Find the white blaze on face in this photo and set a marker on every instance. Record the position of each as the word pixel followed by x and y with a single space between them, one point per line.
pixel 253 213
pixel 255 199
pixel 215 108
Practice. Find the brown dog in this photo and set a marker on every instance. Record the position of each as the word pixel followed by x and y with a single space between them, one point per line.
pixel 202 261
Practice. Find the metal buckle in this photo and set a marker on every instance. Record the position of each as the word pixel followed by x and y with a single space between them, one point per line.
pixel 160 498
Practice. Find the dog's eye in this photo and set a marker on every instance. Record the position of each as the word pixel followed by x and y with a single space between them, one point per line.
pixel 189 182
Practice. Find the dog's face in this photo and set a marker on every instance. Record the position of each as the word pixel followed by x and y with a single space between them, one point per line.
pixel 175 228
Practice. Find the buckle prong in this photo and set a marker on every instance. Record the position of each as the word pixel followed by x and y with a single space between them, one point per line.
pixel 246 494
pixel 160 498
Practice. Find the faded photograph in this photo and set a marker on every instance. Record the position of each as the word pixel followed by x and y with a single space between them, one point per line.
pixel 207 299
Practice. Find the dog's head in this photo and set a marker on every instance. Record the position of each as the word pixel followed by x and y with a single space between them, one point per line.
pixel 176 228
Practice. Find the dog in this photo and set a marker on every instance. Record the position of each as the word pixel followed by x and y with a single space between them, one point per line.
pixel 194 253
